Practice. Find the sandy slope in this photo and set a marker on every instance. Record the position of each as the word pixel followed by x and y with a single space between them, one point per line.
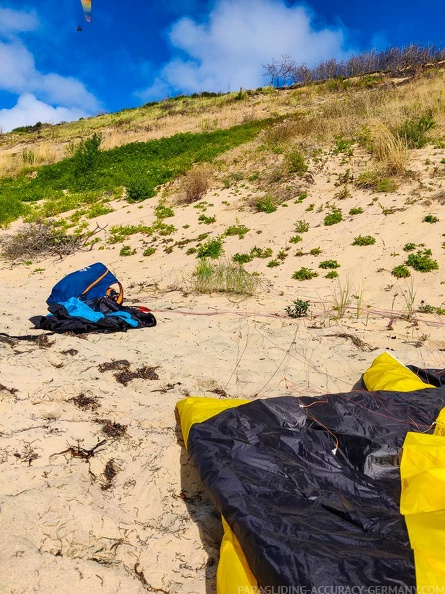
pixel 129 515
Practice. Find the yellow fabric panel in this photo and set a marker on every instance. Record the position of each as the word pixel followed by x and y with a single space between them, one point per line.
pixel 422 502
pixel 386 373
pixel 234 574
pixel 197 409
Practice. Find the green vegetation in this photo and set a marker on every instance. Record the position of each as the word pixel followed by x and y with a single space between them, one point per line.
pixel 237 229
pixel 357 210
pixel 409 247
pixel 298 309
pixel 334 217
pixel 430 219
pixel 329 264
pixel 364 240
pixel 415 130
pixel 211 249
pixel 304 274
pixel 422 261
pixel 301 227
pixel 332 274
pixel 140 167
pixel 206 220
pixel 209 277
pixel 400 271
pixel 266 204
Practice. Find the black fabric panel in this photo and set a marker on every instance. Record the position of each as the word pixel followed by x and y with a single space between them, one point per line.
pixel 61 321
pixel 305 513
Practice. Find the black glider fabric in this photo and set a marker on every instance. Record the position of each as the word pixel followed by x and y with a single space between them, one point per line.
pixel 311 487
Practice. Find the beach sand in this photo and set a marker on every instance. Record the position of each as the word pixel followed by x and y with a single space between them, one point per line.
pixel 97 492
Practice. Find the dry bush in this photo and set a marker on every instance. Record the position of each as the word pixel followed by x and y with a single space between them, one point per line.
pixel 41 239
pixel 390 150
pixel 289 130
pixel 195 183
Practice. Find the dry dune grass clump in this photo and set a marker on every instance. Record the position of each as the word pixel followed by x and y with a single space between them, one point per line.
pixel 195 183
pixel 224 277
pixel 387 148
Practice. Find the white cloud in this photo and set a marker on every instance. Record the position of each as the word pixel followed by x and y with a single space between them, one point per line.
pixel 29 110
pixel 13 22
pixel 50 96
pixel 239 37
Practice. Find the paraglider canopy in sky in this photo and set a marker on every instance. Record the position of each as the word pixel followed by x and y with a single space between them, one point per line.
pixel 86 5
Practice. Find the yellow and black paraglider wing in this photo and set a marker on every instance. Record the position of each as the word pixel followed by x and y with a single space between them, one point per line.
pixel 86 5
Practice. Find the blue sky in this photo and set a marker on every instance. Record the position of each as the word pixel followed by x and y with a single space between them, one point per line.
pixel 136 51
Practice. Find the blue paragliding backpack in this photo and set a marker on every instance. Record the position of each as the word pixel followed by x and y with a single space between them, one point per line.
pixel 85 301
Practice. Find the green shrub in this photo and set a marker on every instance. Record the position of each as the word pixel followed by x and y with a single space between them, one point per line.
pixel 273 264
pixel 334 217
pixel 126 251
pixel 295 239
pixel 315 251
pixel 409 247
pixel 237 229
pixel 266 204
pixel 301 227
pixel 400 271
pixel 415 131
pixel 430 219
pixel 364 240
pixel 422 261
pixel 329 264
pixel 206 220
pixel 298 309
pixel 304 274
pixel 211 249
pixel 149 251
pixel 332 274
pixel 257 252
pixel 139 188
pixel 242 258
pixel 355 211
pixel 295 162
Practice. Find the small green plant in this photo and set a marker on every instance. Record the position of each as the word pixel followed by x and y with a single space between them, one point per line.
pixel 301 227
pixel 426 308
pixel 343 193
pixel 206 220
pixel 266 204
pixel 332 274
pixel 430 219
pixel 409 247
pixel 295 239
pixel 163 212
pixel 334 217
pixel 237 229
pixel 316 251
pixel 149 251
pixel 273 263
pixel 364 240
pixel 304 274
pixel 301 197
pixel 298 309
pixel 242 258
pixel 355 211
pixel 422 261
pixel 126 251
pixel 415 131
pixel 211 249
pixel 329 264
pixel 295 162
pixel 400 271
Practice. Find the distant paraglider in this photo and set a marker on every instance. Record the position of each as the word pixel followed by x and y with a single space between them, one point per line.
pixel 86 5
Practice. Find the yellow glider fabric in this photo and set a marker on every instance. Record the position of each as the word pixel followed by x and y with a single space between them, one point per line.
pixel 422 472
pixel 387 373
pixel 422 503
pixel 233 574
